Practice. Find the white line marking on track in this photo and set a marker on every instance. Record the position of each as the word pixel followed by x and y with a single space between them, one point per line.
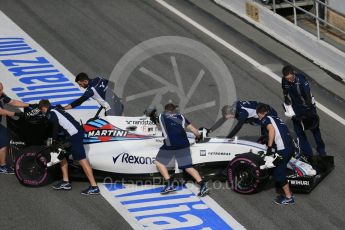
pixel 256 64
pixel 148 196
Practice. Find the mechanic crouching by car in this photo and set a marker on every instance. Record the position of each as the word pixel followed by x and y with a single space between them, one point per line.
pixel 176 145
pixel 62 120
pixel 245 113
pixel 297 88
pixel 4 140
pixel 278 139
pixel 99 90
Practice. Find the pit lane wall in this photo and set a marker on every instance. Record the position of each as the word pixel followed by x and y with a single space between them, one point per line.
pixel 336 13
pixel 320 52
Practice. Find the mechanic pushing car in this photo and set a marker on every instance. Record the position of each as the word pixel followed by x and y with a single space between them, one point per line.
pixel 297 88
pixel 176 145
pixel 245 113
pixel 4 140
pixel 62 120
pixel 278 139
pixel 99 90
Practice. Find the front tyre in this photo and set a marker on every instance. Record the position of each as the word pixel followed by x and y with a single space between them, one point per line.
pixel 244 174
pixel 30 168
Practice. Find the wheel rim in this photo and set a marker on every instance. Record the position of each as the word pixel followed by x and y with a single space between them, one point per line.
pixel 31 168
pixel 244 177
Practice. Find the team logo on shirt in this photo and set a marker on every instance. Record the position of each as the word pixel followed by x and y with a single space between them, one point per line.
pixel 102 85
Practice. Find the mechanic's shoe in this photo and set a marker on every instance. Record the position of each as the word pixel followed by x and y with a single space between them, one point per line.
pixel 6 169
pixel 62 185
pixel 167 189
pixel 92 190
pixel 204 190
pixel 283 200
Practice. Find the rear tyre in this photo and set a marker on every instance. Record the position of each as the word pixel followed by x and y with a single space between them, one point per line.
pixel 30 168
pixel 244 174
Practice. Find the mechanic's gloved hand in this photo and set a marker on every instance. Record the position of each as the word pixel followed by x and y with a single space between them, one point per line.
pixel 62 155
pixel 262 139
pixel 277 160
pixel 252 121
pixel 297 118
pixel 57 148
pixel 207 130
pixel 152 114
pixel 287 100
pixel 149 111
pixel 198 138
pixel 270 151
pixel 19 114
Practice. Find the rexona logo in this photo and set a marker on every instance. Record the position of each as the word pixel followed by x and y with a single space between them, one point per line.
pixel 130 159
pixel 107 133
pixel 299 182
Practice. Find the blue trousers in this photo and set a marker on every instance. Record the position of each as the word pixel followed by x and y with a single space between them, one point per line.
pixel 4 141
pixel 304 144
pixel 78 150
pixel 280 171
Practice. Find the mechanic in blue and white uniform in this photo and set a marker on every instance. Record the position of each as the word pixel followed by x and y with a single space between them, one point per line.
pixel 245 113
pixel 4 139
pixel 99 90
pixel 297 88
pixel 176 145
pixel 279 140
pixel 62 121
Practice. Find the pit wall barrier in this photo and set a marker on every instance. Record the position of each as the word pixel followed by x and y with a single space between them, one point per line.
pixel 338 5
pixel 320 52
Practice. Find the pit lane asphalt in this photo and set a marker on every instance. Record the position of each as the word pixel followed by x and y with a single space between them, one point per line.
pixel 92 36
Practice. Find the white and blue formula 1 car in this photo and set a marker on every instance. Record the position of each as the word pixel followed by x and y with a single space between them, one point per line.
pixel 126 147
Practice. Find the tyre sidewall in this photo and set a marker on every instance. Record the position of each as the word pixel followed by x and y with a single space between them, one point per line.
pixel 31 154
pixel 254 162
